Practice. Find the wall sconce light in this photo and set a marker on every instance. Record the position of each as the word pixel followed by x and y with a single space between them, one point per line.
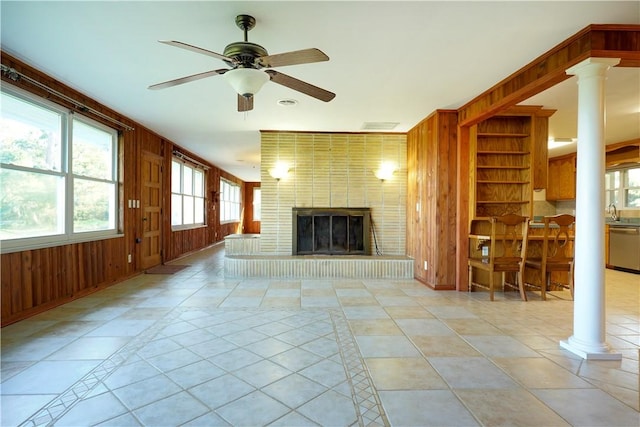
pixel 385 171
pixel 279 171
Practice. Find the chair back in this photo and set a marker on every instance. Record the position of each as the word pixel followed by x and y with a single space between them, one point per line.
pixel 559 232
pixel 508 239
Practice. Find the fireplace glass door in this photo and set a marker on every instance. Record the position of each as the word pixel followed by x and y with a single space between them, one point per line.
pixel 331 231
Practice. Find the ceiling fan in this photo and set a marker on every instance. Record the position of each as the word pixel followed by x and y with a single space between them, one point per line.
pixel 247 61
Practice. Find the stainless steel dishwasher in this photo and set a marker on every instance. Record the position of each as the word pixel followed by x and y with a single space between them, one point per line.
pixel 624 247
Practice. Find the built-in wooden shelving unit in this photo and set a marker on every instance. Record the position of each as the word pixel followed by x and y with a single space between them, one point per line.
pixel 506 151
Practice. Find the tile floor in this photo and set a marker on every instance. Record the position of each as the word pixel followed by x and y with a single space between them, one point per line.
pixel 196 349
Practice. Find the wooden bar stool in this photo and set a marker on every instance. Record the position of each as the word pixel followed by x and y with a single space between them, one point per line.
pixel 557 253
pixel 507 249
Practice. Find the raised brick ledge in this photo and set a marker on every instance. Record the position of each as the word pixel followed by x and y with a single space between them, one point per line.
pixel 319 266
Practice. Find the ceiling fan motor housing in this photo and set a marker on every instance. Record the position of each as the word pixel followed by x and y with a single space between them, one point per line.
pixel 244 53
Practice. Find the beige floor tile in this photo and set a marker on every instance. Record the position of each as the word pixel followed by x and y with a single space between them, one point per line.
pixel 247 293
pixel 374 327
pixel 588 407
pixel 472 327
pixel 404 374
pixel 312 292
pixel 348 284
pixel 515 407
pixel 425 408
pixel 357 301
pixel 610 373
pixel 280 302
pixel 408 313
pixel 202 302
pixel 394 301
pixel 285 284
pixel 540 373
pixel 539 342
pixel 387 292
pixel 443 346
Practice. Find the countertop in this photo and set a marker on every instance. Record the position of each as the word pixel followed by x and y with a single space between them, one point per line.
pixel 624 222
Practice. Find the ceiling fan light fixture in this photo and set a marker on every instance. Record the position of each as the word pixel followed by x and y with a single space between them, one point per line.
pixel 246 81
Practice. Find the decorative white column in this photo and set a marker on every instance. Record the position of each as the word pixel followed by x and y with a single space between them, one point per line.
pixel 588 339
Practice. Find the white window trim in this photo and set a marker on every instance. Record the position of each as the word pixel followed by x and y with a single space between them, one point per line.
pixel 239 202
pixel 622 187
pixel 202 224
pixel 69 236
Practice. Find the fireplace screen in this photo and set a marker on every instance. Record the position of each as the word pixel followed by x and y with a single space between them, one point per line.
pixel 331 231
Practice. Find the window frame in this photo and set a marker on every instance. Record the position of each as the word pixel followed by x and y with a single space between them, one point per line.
pixel 65 205
pixel 184 164
pixel 622 189
pixel 228 198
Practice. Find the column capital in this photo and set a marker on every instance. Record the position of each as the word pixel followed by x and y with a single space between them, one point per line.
pixel 591 66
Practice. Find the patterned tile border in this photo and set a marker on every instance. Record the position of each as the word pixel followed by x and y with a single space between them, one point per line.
pixel 365 398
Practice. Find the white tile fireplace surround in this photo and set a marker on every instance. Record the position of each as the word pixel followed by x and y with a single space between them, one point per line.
pixel 333 170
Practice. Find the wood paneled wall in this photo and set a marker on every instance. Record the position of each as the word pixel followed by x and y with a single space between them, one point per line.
pixel 35 280
pixel 431 199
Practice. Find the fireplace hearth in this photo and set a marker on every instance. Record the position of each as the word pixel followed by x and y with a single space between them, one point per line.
pixel 331 231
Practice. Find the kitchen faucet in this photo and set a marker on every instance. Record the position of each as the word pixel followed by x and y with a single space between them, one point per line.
pixel 613 212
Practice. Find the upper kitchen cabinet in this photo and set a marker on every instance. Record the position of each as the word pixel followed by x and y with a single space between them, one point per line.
pixel 509 155
pixel 623 152
pixel 561 184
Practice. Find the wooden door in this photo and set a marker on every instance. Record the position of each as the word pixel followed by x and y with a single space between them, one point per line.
pixel 151 202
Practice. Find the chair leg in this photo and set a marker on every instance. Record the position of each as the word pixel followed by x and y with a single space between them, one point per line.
pixel 520 278
pixel 491 274
pixel 545 279
pixel 571 284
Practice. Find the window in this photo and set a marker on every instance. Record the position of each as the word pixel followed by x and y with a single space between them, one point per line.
pixel 257 203
pixel 187 195
pixel 58 174
pixel 622 187
pixel 229 201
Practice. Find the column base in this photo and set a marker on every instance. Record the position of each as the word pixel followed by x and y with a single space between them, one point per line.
pixel 589 352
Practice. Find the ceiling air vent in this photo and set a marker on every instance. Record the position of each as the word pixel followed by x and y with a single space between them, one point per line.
pixel 379 125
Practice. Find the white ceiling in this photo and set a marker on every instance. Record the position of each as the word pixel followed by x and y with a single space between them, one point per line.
pixel 390 62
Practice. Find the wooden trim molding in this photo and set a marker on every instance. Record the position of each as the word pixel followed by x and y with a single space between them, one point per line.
pixel 602 41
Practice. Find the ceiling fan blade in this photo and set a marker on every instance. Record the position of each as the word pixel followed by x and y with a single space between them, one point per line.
pixel 196 49
pixel 187 79
pixel 305 56
pixel 244 103
pixel 300 86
